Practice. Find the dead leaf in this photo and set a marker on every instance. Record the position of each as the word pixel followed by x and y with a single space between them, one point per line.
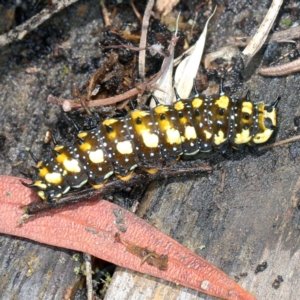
pixel 90 227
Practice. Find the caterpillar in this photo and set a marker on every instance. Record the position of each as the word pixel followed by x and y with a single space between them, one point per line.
pixel 166 132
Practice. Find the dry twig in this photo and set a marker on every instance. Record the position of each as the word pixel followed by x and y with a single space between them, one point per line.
pixel 88 269
pixel 143 40
pixel 20 31
pixel 105 13
pixel 138 15
pixel 281 70
pixel 280 143
pixel 261 35
pixel 283 36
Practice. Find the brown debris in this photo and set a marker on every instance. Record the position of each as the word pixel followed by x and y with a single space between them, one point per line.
pixel 109 69
pixel 120 219
pixel 146 255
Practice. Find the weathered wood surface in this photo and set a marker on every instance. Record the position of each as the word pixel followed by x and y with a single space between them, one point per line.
pixel 29 270
pixel 253 218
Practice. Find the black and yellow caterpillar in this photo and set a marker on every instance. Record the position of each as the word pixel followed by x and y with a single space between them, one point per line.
pixel 166 132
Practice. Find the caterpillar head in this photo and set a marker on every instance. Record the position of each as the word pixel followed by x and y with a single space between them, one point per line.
pixel 266 115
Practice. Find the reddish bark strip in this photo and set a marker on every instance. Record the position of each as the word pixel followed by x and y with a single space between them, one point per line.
pixel 281 70
pixel 90 227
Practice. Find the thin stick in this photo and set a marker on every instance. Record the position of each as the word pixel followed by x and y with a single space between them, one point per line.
pixel 261 35
pixel 283 36
pixel 281 70
pixel 143 40
pixel 280 143
pixel 105 13
pixel 138 15
pixel 133 48
pixel 88 269
pixel 20 31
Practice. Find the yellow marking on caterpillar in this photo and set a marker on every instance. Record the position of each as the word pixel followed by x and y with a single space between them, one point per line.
pixel 164 125
pixel 98 186
pixel 139 113
pixel 247 107
pixel 183 121
pixel 96 156
pixel 271 115
pixel 223 102
pixel 125 147
pixel 85 147
pixel 109 122
pixel 262 137
pixel 54 178
pixel 58 148
pixel 39 164
pixel 151 171
pixel 219 138
pixel 125 178
pixel 179 105
pixel 265 133
pixel 161 109
pixel 173 136
pixel 243 137
pixel 43 172
pixel 190 133
pixel 72 165
pixel 61 158
pixel 197 102
pixel 41 194
pixel 40 184
pixel 82 134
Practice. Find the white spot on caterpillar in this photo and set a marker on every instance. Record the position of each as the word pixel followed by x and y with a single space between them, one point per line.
pixel 219 138
pixel 72 165
pixel 53 178
pixel 96 156
pixel 150 139
pixel 125 147
pixel 173 136
pixel 207 134
pixel 190 133
pixel 243 137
